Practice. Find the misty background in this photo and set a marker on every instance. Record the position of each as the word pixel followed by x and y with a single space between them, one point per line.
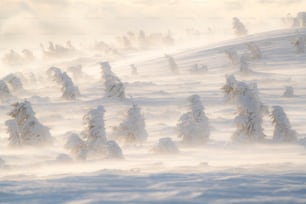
pixel 28 23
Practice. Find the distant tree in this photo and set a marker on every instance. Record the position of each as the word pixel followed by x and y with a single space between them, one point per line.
pixel 283 132
pixel 244 65
pixel 193 126
pixel 114 88
pixel 25 129
pixel 172 64
pixel 134 69
pixel 238 27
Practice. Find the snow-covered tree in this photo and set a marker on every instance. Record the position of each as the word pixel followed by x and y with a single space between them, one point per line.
pixel 255 52
pixel 250 110
pixel 14 82
pixel 114 88
pixel 238 27
pixel 94 133
pixel 95 137
pixel 232 55
pixel 172 64
pixel 301 17
pixel 193 126
pixel 69 90
pixel 4 91
pixel 165 146
pixel 289 91
pixel 25 129
pixel 132 130
pixel 283 132
pixel 299 44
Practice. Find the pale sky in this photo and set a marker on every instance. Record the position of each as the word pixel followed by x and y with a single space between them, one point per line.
pixel 70 19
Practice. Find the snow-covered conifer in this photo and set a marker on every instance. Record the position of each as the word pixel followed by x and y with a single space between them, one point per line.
pixel 282 131
pixel 69 90
pixel 193 126
pixel 132 130
pixel 238 27
pixel 24 128
pixel 114 88
pixel 250 110
pixel 134 69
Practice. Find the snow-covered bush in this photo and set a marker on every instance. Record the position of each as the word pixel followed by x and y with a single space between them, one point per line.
pixel 244 65
pixel 282 131
pixel 4 91
pixel 233 56
pixel 63 158
pixel 113 150
pixel 299 44
pixel 289 91
pixel 14 82
pixel 114 88
pixel 255 52
pixel 25 129
pixel 238 27
pixel 69 90
pixel 165 146
pixel 250 110
pixel 132 130
pixel 172 64
pixel 76 146
pixel 193 126
pixel 198 68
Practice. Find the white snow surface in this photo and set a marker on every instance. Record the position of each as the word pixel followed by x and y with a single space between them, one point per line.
pixel 217 172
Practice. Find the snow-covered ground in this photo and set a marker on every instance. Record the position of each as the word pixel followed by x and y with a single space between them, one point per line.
pixel 218 172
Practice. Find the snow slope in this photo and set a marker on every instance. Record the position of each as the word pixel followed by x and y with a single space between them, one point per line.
pixel 219 172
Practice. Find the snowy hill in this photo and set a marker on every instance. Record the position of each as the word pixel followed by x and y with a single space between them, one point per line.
pixel 217 172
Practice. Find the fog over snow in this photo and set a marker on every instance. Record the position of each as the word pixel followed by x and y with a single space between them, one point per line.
pixel 152 101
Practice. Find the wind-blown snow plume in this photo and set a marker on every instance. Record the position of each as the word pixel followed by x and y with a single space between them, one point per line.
pixel 249 108
pixel 114 88
pixel 69 90
pixel 193 126
pixel 133 129
pixel 283 132
pixel 25 129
